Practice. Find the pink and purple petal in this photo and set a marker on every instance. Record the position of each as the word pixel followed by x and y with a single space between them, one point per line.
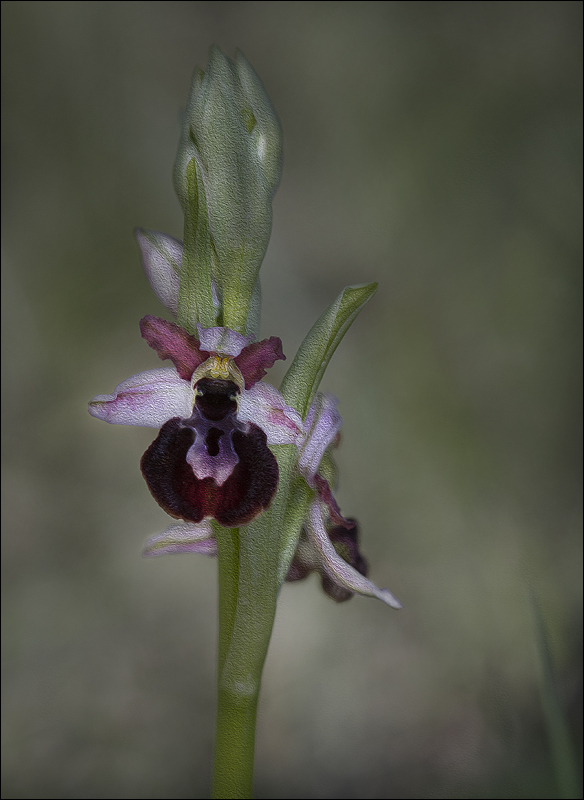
pixel 171 341
pixel 149 399
pixel 221 340
pixel 244 494
pixel 264 406
pixel 307 559
pixel 337 569
pixel 256 358
pixel 322 425
pixel 186 538
pixel 346 544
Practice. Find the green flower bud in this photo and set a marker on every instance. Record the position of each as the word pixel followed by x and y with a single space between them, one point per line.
pixel 231 132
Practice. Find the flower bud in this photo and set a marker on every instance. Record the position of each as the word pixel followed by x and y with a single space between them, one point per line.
pixel 232 132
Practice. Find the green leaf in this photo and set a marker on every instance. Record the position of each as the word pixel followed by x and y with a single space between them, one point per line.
pixel 561 745
pixel 186 146
pixel 302 380
pixel 195 297
pixel 252 325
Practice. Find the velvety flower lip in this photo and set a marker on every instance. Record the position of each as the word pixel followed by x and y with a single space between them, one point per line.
pixel 211 456
pixel 211 465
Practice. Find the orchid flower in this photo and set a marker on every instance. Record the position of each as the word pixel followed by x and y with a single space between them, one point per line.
pixel 216 419
pixel 329 543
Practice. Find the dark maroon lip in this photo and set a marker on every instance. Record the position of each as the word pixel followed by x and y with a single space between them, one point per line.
pixel 248 489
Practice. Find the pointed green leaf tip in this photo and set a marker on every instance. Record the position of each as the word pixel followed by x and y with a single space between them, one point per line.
pixel 231 130
pixel 302 380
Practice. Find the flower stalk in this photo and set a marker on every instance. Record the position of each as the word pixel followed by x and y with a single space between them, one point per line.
pixel 237 695
pixel 248 593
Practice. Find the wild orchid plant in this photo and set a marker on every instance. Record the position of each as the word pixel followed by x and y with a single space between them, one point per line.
pixel 246 468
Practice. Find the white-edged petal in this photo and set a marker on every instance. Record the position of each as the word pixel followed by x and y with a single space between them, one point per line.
pixel 336 567
pixel 265 406
pixel 149 399
pixel 162 261
pixel 221 340
pixel 186 538
pixel 321 425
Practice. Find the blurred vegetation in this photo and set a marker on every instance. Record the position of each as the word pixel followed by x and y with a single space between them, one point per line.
pixel 433 147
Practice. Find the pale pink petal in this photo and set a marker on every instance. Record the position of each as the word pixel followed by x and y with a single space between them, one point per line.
pixel 162 260
pixel 336 567
pixel 221 340
pixel 186 538
pixel 265 406
pixel 322 425
pixel 149 399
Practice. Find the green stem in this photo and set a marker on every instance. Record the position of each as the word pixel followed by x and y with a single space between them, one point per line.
pixel 235 732
pixel 228 562
pixel 246 618
pixel 234 746
pixel 249 582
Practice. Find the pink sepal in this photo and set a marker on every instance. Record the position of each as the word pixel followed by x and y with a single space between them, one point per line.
pixel 149 399
pixel 336 567
pixel 171 341
pixel 186 538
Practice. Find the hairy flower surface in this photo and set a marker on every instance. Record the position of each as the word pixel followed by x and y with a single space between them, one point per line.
pixel 216 419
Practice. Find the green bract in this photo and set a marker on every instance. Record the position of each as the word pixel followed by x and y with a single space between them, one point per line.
pixel 303 378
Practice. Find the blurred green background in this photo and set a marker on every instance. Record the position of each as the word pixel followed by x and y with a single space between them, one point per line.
pixel 433 147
